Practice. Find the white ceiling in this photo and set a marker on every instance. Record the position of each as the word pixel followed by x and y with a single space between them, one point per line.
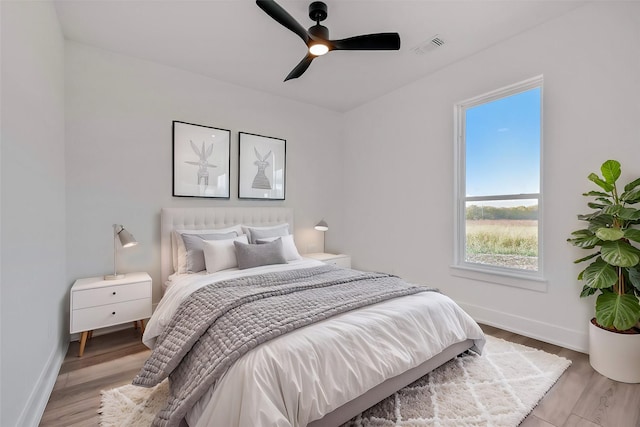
pixel 236 42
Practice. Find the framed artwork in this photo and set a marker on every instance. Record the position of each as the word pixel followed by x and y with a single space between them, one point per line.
pixel 262 162
pixel 201 161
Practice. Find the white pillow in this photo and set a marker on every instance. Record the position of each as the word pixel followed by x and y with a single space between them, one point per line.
pixel 256 233
pixel 288 246
pixel 180 251
pixel 221 254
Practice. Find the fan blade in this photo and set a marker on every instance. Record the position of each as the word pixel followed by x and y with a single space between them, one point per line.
pixel 275 11
pixel 300 68
pixel 380 41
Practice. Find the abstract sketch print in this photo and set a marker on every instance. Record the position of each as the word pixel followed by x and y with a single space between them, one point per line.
pixel 260 181
pixel 203 163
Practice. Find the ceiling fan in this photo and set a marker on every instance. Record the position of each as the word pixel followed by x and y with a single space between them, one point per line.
pixel 317 37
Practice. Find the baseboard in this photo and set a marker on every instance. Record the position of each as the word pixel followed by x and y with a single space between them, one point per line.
pixel 39 397
pixel 553 334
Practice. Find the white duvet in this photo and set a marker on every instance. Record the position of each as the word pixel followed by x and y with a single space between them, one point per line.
pixel 303 375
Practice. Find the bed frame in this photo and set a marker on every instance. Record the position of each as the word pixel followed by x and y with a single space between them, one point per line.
pixel 209 218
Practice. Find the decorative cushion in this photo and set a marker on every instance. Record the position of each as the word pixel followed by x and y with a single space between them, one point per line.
pixel 256 233
pixel 256 255
pixel 193 244
pixel 288 246
pixel 221 254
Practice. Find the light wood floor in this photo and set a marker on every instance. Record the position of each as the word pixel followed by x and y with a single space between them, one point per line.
pixel 580 398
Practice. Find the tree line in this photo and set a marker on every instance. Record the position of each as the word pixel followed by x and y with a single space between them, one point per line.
pixel 491 212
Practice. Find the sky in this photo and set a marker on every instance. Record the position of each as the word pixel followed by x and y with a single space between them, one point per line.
pixel 503 146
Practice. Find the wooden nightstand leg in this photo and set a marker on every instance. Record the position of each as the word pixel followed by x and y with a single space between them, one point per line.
pixel 83 341
pixel 135 324
pixel 142 325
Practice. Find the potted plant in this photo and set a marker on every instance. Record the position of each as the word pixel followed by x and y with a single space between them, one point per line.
pixel 613 273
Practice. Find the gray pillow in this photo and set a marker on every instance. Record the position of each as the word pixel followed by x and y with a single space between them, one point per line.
pixel 193 246
pixel 264 233
pixel 256 255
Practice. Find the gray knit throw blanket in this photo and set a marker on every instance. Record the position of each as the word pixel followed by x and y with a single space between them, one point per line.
pixel 220 322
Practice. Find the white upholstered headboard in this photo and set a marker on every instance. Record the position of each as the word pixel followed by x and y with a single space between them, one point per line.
pixel 209 218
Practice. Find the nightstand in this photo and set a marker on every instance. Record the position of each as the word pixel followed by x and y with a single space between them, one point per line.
pixel 98 303
pixel 340 260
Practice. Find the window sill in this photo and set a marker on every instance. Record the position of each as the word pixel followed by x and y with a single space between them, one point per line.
pixel 499 277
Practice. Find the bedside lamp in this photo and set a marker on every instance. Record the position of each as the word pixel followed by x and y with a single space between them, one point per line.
pixel 322 226
pixel 126 240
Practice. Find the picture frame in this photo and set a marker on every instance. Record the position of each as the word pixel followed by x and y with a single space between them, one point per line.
pixel 262 167
pixel 201 161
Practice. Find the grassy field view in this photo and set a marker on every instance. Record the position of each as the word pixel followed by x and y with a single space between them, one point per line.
pixel 506 242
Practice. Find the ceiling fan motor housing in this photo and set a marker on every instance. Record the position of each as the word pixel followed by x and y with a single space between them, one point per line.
pixel 319 31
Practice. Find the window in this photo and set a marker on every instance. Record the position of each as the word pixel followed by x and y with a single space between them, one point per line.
pixel 498 157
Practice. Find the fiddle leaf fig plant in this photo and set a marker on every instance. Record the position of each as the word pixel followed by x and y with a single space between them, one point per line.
pixel 614 270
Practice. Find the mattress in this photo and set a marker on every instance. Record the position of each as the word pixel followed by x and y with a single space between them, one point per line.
pixel 303 375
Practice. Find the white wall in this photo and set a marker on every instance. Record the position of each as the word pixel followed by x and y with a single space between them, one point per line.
pixel 399 162
pixel 33 274
pixel 119 112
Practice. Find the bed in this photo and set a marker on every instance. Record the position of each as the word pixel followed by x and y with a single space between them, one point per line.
pixel 321 374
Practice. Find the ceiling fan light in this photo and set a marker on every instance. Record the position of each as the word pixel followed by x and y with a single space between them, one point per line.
pixel 318 49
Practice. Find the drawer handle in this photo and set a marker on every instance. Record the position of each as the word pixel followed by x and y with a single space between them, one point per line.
pixel 113 313
pixel 114 292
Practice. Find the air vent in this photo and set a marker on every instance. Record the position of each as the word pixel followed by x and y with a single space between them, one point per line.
pixel 437 41
pixel 429 45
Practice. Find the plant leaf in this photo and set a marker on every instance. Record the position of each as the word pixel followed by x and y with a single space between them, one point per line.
pixel 584 239
pixel 586 291
pixel 594 205
pixel 609 234
pixel 596 179
pixel 590 217
pixel 600 275
pixel 582 233
pixel 634 277
pixel 612 210
pixel 619 253
pixel 597 193
pixel 631 196
pixel 605 201
pixel 588 257
pixel 610 171
pixel 633 184
pixel 629 214
pixel 601 221
pixel 620 311
pixel 632 234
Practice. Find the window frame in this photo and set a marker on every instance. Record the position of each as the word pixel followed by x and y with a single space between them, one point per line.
pixel 529 279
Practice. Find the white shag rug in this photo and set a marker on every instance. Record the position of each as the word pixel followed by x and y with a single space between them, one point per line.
pixel 497 389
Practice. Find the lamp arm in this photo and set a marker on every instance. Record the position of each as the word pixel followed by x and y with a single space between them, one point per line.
pixel 324 241
pixel 115 249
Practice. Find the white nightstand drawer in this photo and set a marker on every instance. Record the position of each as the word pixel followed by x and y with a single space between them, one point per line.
pixel 111 314
pixel 110 295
